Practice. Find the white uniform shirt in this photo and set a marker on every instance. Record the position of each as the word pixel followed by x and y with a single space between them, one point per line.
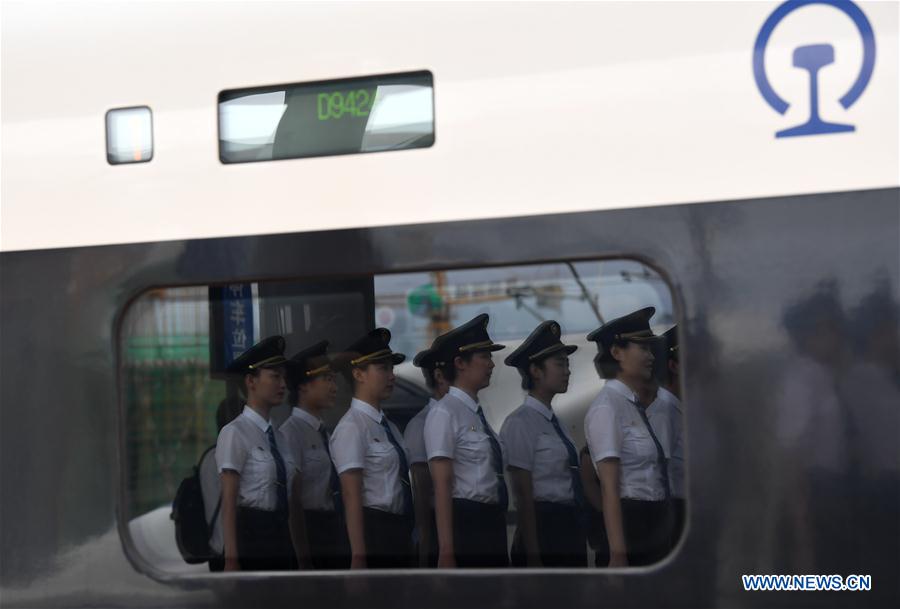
pixel 810 417
pixel 676 426
pixel 304 440
pixel 614 428
pixel 360 442
pixel 454 430
pixel 243 446
pixel 414 436
pixel 532 444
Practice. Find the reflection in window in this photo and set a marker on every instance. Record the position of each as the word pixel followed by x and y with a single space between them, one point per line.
pixel 177 342
pixel 519 297
pixel 248 123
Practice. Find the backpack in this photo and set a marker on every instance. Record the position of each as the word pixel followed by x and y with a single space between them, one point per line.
pixel 192 531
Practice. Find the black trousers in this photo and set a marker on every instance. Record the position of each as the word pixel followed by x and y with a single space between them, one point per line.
pixel 432 549
pixel 388 539
pixel 650 532
pixel 264 541
pixel 561 537
pixel 327 535
pixel 596 534
pixel 679 513
pixel 479 534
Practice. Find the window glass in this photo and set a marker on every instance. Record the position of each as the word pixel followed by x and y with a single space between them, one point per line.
pixel 177 343
pixel 129 135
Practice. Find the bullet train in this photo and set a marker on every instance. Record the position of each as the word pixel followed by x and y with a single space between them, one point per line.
pixel 735 164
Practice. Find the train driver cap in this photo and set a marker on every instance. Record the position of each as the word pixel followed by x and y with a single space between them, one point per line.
pixel 267 353
pixel 372 347
pixel 470 337
pixel 634 327
pixel 671 338
pixel 308 363
pixel 543 342
pixel 430 357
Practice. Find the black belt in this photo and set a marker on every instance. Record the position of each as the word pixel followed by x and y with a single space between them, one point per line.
pixel 555 506
pixel 258 514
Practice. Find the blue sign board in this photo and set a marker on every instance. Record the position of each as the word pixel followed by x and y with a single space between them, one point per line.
pixel 237 335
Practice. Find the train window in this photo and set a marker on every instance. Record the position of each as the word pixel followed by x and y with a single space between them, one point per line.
pixel 349 116
pixel 129 135
pixel 178 348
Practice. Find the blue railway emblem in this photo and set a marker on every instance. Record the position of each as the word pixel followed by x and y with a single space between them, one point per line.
pixel 813 58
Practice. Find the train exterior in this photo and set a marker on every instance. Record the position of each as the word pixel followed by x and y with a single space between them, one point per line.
pixel 746 153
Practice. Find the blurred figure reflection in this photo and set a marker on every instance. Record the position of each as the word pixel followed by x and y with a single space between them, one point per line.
pixel 873 387
pixel 815 430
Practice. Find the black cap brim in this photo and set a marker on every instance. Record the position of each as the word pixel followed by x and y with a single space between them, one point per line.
pixel 344 361
pixel 515 360
pixel 395 359
pixel 644 339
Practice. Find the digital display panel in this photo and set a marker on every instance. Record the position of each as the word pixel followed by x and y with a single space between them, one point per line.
pixel 349 116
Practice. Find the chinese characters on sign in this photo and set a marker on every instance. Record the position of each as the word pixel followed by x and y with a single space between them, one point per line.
pixel 238 317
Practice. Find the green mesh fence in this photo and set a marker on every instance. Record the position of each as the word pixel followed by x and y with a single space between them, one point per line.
pixel 171 407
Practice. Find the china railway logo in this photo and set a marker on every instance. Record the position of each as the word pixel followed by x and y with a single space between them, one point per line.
pixel 812 58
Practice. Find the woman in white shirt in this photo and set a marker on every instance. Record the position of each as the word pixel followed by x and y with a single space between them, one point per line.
pixel 671 391
pixel 371 460
pixel 542 459
pixel 630 459
pixel 414 437
pixel 256 470
pixel 311 392
pixel 465 455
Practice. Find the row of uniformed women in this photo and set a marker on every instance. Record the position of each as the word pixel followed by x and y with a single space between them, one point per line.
pixel 350 500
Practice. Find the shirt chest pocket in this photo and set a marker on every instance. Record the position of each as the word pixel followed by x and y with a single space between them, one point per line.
pixel 638 443
pixel 380 456
pixel 260 466
pixel 315 461
pixel 474 446
pixel 550 450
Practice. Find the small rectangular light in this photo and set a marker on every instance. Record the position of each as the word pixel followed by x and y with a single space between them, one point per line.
pixel 129 135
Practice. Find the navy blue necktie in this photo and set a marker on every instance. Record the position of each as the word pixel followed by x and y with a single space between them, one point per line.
pixel 573 463
pixel 404 468
pixel 660 454
pixel 280 472
pixel 333 482
pixel 497 460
